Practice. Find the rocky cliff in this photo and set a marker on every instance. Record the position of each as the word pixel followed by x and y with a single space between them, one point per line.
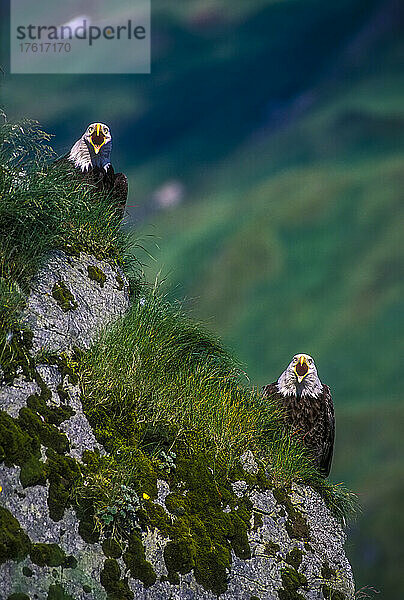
pixel 194 537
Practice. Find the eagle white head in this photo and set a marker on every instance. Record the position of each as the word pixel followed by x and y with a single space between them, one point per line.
pixel 300 378
pixel 93 149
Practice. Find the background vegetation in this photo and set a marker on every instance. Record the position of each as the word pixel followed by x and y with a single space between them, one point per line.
pixel 265 157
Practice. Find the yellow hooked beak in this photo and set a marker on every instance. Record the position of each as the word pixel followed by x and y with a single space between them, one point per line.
pixel 97 138
pixel 301 369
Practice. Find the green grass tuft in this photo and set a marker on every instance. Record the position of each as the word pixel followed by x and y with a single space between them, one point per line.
pixel 157 367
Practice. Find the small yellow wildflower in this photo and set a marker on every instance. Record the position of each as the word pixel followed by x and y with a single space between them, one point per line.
pixel 146 496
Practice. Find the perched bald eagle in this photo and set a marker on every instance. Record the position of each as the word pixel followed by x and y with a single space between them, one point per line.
pixel 309 409
pixel 91 155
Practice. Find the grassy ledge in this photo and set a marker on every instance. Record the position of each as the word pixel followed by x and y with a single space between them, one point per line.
pixel 161 381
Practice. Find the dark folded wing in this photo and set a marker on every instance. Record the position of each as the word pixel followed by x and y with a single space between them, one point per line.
pixel 329 432
pixel 281 404
pixel 115 184
pixel 120 191
pixel 270 390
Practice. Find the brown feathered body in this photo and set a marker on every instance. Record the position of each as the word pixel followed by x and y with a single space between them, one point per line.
pixel 311 418
pixel 111 183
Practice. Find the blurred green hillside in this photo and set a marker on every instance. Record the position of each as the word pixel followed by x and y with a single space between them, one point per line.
pixel 293 240
pixel 278 126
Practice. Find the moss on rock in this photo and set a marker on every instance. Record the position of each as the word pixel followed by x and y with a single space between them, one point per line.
pixel 62 393
pixel 257 521
pixel 47 554
pixel 19 448
pixel 15 356
pixel 294 558
pixel 63 296
pixel 176 504
pixel 119 282
pixel 63 473
pixel 32 472
pixel 296 524
pixel 110 578
pixel 14 542
pixel 202 535
pixel 271 548
pixel 96 274
pixel 18 596
pixel 56 592
pixel 70 562
pixel 238 536
pixel 111 548
pixel 135 560
pixel 332 594
pixel 21 440
pixel 52 415
pixel 211 568
pixel 156 516
pixel 48 435
pixel 292 580
pixel 326 571
pixel 179 556
pixel 15 444
pixel 297 527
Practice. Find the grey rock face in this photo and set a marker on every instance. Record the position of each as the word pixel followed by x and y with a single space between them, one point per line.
pixel 263 575
pixel 249 463
pixel 283 564
pixel 93 305
pixel 14 397
pixel 57 330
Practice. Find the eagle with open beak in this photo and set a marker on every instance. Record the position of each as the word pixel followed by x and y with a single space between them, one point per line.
pixel 308 407
pixel 97 135
pixel 91 156
pixel 301 367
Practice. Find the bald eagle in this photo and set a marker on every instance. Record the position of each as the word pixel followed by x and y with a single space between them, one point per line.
pixel 309 410
pixel 90 156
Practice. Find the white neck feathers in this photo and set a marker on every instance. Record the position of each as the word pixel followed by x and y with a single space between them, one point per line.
pixel 84 159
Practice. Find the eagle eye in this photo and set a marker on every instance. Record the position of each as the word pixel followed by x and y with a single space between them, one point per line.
pixel 105 129
pixel 310 361
pixel 90 130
